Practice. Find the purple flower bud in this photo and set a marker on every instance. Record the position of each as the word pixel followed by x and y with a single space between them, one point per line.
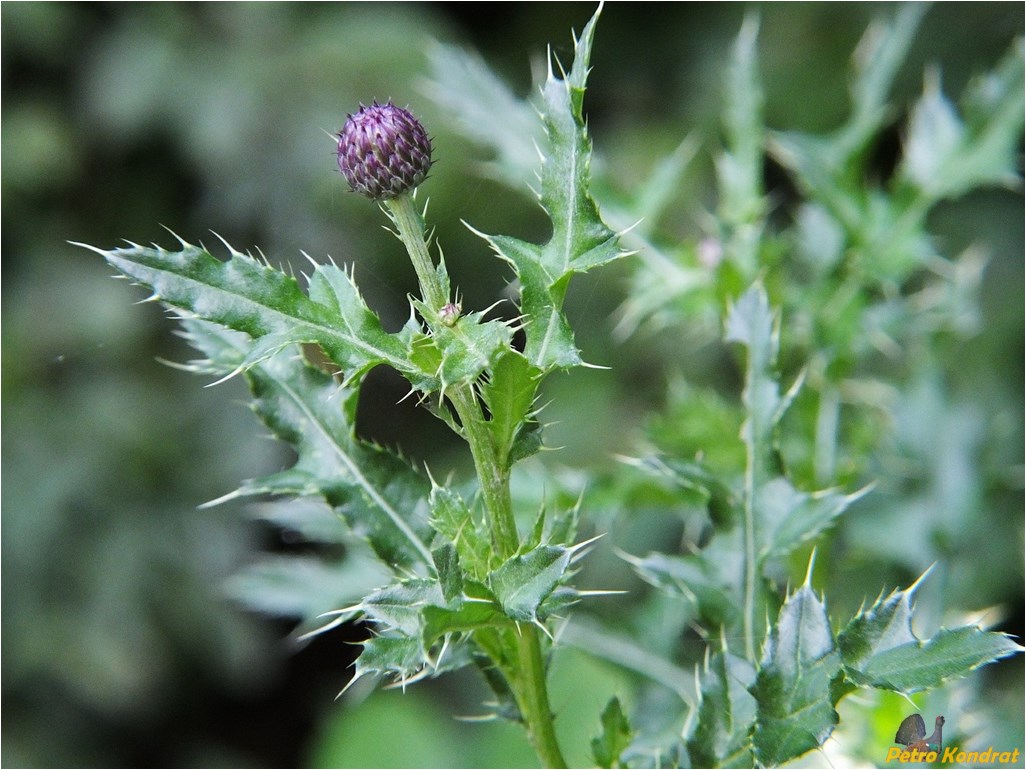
pixel 383 151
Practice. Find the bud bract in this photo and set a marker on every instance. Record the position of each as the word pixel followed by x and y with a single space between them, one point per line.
pixel 383 151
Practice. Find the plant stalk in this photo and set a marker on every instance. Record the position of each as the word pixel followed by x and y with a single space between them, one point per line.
pixel 494 478
pixel 529 683
pixel 534 700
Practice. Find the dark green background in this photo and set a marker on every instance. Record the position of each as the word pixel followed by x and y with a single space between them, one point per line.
pixel 119 646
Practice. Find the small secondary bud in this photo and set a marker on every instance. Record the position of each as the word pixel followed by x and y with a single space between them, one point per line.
pixel 449 314
pixel 383 151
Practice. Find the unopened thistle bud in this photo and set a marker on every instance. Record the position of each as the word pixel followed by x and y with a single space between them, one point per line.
pixel 449 314
pixel 383 151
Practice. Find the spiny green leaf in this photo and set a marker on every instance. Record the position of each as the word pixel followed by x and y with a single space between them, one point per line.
pixel 944 157
pixel 792 688
pixel 752 323
pixel 487 111
pixel 450 576
pixel 458 354
pixel 523 582
pixel 580 240
pixel 879 649
pixel 949 654
pixel 615 738
pixel 509 394
pixel 884 625
pixel 477 610
pixel 397 655
pixel 399 606
pixel 722 733
pixel 304 587
pixel 789 518
pixel 454 522
pixel 335 289
pixel 251 297
pixel 550 340
pixel 380 496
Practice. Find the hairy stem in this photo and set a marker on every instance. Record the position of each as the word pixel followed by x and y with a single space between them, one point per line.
pixel 534 700
pixel 494 478
pixel 529 684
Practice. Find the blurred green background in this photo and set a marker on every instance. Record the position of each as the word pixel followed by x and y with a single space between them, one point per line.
pixel 121 646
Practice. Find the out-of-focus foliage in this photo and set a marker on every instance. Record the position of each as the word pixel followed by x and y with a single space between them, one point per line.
pixel 875 310
pixel 118 118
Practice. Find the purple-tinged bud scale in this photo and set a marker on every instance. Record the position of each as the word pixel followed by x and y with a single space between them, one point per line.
pixel 449 314
pixel 383 151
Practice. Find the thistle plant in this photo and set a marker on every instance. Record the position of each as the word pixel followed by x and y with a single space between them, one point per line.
pixel 470 586
pixel 472 579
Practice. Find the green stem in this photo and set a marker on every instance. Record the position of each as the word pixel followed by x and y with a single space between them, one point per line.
pixel 493 475
pixel 755 443
pixel 529 682
pixel 750 568
pixel 534 700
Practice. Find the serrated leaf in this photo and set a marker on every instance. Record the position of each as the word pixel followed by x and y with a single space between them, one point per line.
pixel 303 586
pixel 524 581
pixel 580 240
pixel 752 323
pixel 400 606
pixel 722 733
pixel 792 687
pixel 884 625
pixel 558 602
pixel 946 158
pixel 615 738
pixel 509 394
pixel 485 110
pixel 949 654
pixel 550 340
pixel 458 354
pixel 479 610
pixel 788 518
pixel 252 297
pixel 469 347
pixel 380 496
pixel 453 520
pixel 397 655
pixel 879 649
pixel 708 584
pixel 335 289
pixel 450 576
